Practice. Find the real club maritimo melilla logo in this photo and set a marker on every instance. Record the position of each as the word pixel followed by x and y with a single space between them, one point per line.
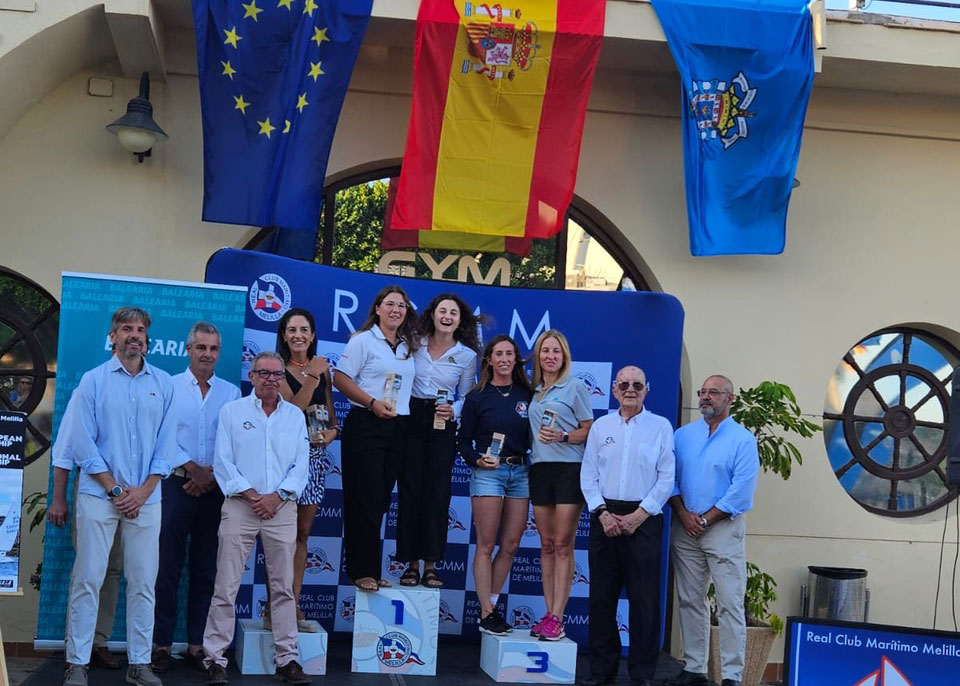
pixel 269 297
pixel 721 109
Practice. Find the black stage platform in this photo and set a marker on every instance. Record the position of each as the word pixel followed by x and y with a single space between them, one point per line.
pixel 459 664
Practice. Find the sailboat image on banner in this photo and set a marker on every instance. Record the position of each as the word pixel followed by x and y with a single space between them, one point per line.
pixel 9 532
pixel 888 675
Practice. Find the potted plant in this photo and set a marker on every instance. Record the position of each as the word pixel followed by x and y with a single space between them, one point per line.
pixel 771 412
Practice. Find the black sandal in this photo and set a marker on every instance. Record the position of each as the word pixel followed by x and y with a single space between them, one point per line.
pixel 411 577
pixel 431 579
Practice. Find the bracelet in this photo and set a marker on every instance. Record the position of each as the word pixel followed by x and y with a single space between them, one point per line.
pixel 600 510
pixel 370 404
pixel 312 376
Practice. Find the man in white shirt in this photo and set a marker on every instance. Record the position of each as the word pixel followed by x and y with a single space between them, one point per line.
pixel 191 498
pixel 261 464
pixel 626 478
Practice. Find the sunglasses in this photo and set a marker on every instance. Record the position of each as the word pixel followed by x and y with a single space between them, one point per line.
pixel 637 385
pixel 267 374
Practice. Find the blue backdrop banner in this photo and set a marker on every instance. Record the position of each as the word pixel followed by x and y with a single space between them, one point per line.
pixel 87 303
pixel 746 70
pixel 606 332
pixel 820 651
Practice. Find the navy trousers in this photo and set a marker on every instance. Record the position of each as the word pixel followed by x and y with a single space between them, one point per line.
pixel 186 519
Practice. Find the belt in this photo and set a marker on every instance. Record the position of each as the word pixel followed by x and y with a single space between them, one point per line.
pixel 514 461
pixel 181 472
pixel 621 507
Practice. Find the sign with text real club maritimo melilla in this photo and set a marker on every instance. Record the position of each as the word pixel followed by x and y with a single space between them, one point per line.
pixel 819 652
pixel 13 427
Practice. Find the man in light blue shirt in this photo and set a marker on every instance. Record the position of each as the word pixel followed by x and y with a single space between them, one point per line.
pixel 191 498
pixel 716 473
pixel 122 434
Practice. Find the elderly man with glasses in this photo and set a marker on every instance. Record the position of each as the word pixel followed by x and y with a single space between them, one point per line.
pixel 717 466
pixel 260 463
pixel 626 478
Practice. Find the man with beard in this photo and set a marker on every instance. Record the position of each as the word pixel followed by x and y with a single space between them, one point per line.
pixel 717 466
pixel 121 433
pixel 191 498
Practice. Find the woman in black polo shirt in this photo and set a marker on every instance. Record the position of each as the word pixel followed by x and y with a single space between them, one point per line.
pixel 498 487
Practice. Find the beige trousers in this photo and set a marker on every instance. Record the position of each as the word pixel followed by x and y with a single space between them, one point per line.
pixel 239 527
pixel 718 555
pixel 107 607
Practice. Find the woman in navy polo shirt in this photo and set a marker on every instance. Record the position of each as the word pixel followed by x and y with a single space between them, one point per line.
pixel 560 419
pixel 498 488
pixel 446 361
pixel 373 432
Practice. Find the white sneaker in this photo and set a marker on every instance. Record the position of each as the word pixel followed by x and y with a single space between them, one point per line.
pixel 142 675
pixel 76 675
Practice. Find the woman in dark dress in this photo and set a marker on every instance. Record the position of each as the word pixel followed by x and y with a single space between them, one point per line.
pixel 307 385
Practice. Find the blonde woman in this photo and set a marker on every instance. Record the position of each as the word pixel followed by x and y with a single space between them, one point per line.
pixel 560 419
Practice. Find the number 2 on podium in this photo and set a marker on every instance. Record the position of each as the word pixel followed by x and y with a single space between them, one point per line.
pixel 541 661
pixel 398 612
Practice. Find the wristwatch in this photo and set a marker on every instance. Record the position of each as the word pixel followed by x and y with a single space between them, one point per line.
pixel 115 492
pixel 565 438
pixel 703 522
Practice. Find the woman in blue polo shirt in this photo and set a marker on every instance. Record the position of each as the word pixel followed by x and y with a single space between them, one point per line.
pixel 560 419
pixel 498 488
pixel 373 432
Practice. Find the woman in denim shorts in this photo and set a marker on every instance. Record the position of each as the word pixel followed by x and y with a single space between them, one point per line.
pixel 498 486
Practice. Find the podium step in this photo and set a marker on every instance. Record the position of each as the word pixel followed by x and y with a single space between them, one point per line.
pixel 254 649
pixel 521 659
pixel 395 631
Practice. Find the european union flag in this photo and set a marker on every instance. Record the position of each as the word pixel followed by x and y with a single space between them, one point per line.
pixel 747 70
pixel 273 75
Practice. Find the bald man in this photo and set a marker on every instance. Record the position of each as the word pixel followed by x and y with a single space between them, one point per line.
pixel 626 478
pixel 717 466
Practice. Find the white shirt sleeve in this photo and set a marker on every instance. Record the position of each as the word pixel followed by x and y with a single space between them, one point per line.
pixel 590 471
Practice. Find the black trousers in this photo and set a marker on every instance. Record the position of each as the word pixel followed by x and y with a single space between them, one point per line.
pixel 423 485
pixel 183 515
pixel 632 561
pixel 371 450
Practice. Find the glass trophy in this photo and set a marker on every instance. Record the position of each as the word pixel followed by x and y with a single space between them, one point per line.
pixel 391 389
pixel 318 420
pixel 443 398
pixel 492 456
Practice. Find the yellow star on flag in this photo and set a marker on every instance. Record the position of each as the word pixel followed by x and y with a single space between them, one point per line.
pixel 315 70
pixel 285 3
pixel 266 127
pixel 309 7
pixel 232 37
pixel 228 70
pixel 240 104
pixel 252 10
pixel 286 126
pixel 319 35
pixel 302 102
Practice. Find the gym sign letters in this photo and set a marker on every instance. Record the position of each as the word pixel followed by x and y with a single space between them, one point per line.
pixel 400 263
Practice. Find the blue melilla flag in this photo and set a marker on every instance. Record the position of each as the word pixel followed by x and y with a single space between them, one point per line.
pixel 273 75
pixel 747 70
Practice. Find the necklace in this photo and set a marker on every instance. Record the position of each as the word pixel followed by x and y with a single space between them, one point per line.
pixel 301 365
pixel 505 395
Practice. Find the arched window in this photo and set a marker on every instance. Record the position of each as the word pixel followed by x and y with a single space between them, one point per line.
pixel 29 323
pixel 587 255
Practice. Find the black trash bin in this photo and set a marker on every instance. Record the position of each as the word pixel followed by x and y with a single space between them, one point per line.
pixel 837 593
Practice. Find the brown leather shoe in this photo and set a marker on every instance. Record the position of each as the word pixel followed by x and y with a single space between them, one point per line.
pixel 160 661
pixel 216 675
pixel 102 657
pixel 292 673
pixel 194 661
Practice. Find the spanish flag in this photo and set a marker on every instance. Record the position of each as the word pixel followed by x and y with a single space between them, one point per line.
pixel 499 99
pixel 392 239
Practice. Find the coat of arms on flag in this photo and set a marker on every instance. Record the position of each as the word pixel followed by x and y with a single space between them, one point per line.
pixel 722 111
pixel 499 42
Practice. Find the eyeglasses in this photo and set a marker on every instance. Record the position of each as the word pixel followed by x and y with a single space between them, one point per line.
pixel 267 374
pixel 637 385
pixel 712 392
pixel 390 303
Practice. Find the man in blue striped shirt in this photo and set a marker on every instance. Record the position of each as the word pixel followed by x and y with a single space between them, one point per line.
pixel 121 433
pixel 716 474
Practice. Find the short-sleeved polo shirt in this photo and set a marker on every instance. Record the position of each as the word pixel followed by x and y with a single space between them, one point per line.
pixel 570 399
pixel 367 359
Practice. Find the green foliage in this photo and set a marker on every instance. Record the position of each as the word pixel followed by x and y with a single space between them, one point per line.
pixel 36 503
pixel 767 410
pixel 359 223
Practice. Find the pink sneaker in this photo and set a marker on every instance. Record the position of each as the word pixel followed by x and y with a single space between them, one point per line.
pixel 552 629
pixel 538 627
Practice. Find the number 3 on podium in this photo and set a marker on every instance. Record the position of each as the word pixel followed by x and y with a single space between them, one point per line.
pixel 398 612
pixel 541 661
